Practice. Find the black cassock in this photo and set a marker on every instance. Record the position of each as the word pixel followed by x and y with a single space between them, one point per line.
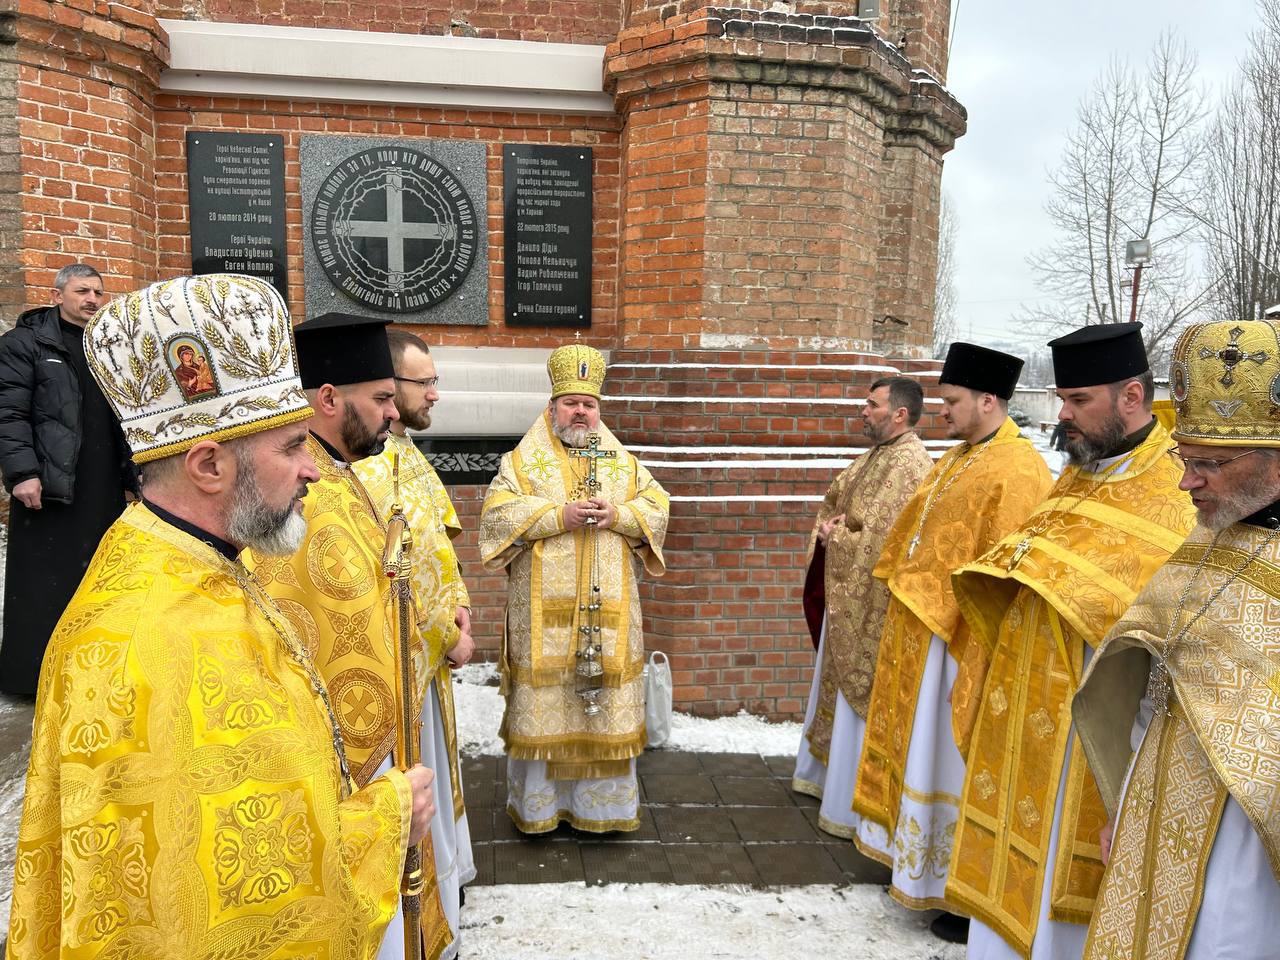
pixel 50 548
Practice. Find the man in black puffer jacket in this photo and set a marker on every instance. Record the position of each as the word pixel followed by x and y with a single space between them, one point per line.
pixel 65 465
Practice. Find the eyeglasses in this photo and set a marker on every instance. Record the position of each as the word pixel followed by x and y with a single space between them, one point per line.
pixel 426 383
pixel 1207 466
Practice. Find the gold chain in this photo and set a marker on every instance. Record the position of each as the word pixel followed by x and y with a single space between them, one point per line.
pixel 1049 514
pixel 302 659
pixel 935 494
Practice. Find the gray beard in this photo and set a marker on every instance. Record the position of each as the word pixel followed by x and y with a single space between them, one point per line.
pixel 1254 493
pixel 254 525
pixel 571 436
pixel 1095 446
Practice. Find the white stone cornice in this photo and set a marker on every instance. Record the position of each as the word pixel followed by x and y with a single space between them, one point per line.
pixel 300 63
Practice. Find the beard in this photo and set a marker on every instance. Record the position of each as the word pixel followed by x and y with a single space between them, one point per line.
pixel 1254 492
pixel 874 432
pixel 359 440
pixel 574 435
pixel 418 419
pixel 1089 447
pixel 254 524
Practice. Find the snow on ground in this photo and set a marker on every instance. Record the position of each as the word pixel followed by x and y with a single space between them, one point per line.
pixel 652 921
pixel 479 709
pixel 1055 459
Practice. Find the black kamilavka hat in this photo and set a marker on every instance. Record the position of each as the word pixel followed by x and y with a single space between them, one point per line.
pixel 1098 354
pixel 341 349
pixel 980 368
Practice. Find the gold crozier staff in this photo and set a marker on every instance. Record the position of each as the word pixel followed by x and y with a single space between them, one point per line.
pixel 397 563
pixel 590 672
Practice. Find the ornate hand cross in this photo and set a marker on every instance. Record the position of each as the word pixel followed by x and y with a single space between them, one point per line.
pixel 1231 356
pixel 593 455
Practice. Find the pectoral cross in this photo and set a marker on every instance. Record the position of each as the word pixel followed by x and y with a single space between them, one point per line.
pixel 1231 356
pixel 1020 551
pixel 593 454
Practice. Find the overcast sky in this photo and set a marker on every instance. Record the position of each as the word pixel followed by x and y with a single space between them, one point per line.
pixel 1020 67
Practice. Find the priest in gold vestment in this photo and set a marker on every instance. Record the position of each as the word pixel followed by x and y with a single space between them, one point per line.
pixel 187 793
pixel 574 647
pixel 1026 864
pixel 855 517
pixel 929 671
pixel 333 590
pixel 446 631
pixel 1187 678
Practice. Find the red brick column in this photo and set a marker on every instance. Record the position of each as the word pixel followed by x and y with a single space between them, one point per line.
pixel 84 79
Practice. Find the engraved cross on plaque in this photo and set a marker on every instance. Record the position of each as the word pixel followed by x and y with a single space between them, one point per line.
pixel 396 230
pixel 1231 356
pixel 593 455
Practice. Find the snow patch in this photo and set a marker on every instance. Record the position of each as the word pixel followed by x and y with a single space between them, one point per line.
pixel 677 922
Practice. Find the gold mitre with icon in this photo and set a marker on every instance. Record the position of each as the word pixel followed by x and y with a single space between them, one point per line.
pixel 576 368
pixel 1225 382
pixel 196 358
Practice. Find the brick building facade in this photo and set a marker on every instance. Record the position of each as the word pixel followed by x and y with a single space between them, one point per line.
pixel 765 205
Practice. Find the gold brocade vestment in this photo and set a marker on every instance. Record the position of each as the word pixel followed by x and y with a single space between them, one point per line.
pixel 870 493
pixel 973 496
pixel 521 530
pixel 1052 586
pixel 184 798
pixel 436 575
pixel 1218 734
pixel 334 592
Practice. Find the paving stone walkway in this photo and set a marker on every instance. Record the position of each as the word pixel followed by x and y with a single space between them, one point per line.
pixel 706 818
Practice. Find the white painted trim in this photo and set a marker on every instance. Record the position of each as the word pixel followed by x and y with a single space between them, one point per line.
pixel 861 367
pixel 304 63
pixel 811 401
pixel 809 464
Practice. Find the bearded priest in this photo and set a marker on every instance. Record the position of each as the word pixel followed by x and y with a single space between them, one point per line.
pixel 572 547
pixel 402 471
pixel 929 670
pixel 1194 869
pixel 848 534
pixel 188 795
pixel 334 589
pixel 1026 864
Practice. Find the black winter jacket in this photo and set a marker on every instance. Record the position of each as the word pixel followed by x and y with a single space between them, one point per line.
pixel 39 406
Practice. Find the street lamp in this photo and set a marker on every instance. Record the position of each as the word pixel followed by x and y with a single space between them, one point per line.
pixel 1137 253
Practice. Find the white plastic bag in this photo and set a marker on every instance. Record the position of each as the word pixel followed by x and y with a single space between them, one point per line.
pixel 657 699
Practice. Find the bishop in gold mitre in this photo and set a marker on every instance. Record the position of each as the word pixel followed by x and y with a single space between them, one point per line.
pixel 401 474
pixel 856 515
pixel 929 669
pixel 1179 711
pixel 333 589
pixel 574 647
pixel 1025 864
pixel 188 794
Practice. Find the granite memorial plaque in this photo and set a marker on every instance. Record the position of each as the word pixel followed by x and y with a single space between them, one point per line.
pixel 235 185
pixel 395 228
pixel 547 226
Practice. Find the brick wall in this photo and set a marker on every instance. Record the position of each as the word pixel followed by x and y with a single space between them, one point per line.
pixel 12 284
pixel 84 88
pixel 292 120
pixel 560 21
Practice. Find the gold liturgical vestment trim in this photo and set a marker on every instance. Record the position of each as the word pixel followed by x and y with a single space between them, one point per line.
pixel 1001 482
pixel 436 576
pixel 869 493
pixel 549 575
pixel 335 594
pixel 1216 736
pixel 1034 600
pixel 184 798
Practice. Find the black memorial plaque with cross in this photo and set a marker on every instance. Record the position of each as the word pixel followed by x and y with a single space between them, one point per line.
pixel 395 228
pixel 235 185
pixel 547 229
